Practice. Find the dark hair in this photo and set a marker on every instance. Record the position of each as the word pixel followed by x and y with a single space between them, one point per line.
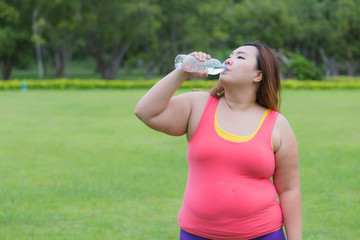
pixel 268 93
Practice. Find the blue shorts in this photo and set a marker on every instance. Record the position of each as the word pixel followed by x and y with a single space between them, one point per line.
pixel 277 235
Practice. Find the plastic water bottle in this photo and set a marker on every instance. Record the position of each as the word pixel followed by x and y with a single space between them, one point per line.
pixel 189 63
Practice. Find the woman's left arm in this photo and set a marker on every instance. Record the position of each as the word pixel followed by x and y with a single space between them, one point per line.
pixel 287 179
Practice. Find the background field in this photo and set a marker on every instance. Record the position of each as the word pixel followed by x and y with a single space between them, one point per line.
pixel 79 165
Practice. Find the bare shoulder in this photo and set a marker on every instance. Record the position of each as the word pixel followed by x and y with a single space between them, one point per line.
pixel 195 99
pixel 190 100
pixel 281 121
pixel 198 95
pixel 282 132
pixel 200 98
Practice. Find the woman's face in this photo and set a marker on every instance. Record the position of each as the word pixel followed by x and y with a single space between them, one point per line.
pixel 241 66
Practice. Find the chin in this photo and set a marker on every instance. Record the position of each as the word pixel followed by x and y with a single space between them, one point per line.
pixel 224 80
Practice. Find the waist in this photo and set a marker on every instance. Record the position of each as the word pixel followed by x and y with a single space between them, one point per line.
pixel 231 228
pixel 223 207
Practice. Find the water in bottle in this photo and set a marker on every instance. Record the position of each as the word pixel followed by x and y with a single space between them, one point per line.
pixel 189 63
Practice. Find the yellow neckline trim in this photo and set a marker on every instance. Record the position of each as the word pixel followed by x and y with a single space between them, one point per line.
pixel 235 138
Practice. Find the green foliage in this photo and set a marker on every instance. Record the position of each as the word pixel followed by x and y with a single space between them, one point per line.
pixel 113 31
pixel 113 27
pixel 8 14
pixel 307 84
pixel 94 84
pixel 348 15
pixel 265 20
pixel 8 17
pixel 15 35
pixel 302 69
pixel 196 84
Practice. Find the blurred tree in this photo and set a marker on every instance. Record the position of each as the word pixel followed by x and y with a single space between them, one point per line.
pixel 153 32
pixel 313 33
pixel 38 27
pixel 265 20
pixel 15 35
pixel 312 28
pixel 183 26
pixel 328 33
pixel 61 22
pixel 145 49
pixel 111 27
pixel 348 33
pixel 329 47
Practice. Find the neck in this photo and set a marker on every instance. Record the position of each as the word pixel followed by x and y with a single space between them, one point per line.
pixel 239 98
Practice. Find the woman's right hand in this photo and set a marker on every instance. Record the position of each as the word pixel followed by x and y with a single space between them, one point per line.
pixel 201 57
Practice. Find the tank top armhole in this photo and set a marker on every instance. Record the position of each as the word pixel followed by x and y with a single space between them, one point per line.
pixel 210 103
pixel 274 115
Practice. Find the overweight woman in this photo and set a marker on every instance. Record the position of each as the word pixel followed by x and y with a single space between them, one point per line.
pixel 237 142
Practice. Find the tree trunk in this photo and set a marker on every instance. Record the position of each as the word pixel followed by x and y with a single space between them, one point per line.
pixel 350 68
pixel 283 60
pixel 37 30
pixel 332 66
pixel 59 58
pixel 336 66
pixel 110 71
pixel 100 63
pixel 6 67
pixel 38 58
pixel 45 62
pixel 112 65
pixel 327 61
pixel 67 57
pixel 150 69
pixel 56 60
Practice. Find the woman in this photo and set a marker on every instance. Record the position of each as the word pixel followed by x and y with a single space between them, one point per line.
pixel 229 194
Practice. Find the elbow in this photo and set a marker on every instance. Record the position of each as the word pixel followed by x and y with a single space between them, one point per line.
pixel 141 113
pixel 138 112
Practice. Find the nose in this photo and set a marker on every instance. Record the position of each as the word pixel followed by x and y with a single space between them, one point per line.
pixel 228 61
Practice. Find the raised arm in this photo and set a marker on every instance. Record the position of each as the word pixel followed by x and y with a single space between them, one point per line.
pixel 160 110
pixel 287 180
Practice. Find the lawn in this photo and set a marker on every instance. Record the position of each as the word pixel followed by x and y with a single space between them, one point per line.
pixel 79 165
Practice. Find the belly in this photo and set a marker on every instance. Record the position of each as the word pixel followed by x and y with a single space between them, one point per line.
pixel 224 198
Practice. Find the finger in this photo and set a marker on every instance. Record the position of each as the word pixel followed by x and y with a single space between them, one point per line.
pixel 199 75
pixel 201 56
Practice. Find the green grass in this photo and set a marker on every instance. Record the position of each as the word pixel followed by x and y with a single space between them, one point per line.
pixel 79 165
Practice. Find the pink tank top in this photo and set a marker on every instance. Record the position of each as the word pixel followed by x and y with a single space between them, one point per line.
pixel 229 194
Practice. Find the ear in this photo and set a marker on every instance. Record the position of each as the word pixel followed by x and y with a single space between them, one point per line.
pixel 258 77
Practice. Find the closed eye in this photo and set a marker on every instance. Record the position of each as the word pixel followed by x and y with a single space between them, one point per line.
pixel 239 57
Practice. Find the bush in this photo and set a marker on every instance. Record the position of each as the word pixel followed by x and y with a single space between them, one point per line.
pixel 307 84
pixel 195 84
pixel 302 69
